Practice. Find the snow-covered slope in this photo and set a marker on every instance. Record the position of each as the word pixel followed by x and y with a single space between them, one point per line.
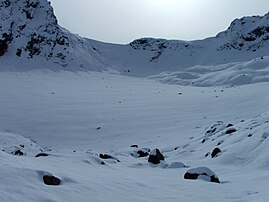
pixel 81 135
pixel 74 118
pixel 230 74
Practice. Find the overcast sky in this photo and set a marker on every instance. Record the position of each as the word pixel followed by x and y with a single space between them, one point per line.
pixel 121 21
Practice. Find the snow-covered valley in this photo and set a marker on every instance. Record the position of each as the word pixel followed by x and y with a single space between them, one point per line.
pixel 75 117
pixel 152 120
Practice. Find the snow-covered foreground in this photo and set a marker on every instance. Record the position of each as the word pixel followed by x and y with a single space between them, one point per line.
pixel 73 117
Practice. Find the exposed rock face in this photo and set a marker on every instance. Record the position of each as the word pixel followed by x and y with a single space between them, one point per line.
pixel 34 25
pixel 4 42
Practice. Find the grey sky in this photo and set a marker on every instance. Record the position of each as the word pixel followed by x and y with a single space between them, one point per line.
pixel 121 21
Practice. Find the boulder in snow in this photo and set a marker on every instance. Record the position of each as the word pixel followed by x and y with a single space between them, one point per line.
pixel 134 145
pixel 139 153
pixel 41 155
pixel 155 156
pixel 51 180
pixel 107 156
pixel 230 130
pixel 18 152
pixel 215 152
pixel 203 173
pixel 230 125
pixel 142 153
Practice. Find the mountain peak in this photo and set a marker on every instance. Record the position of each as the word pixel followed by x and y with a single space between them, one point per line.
pixel 247 33
pixel 33 24
pixel 29 32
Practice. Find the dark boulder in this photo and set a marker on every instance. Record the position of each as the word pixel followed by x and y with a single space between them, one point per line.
pixel 211 130
pixel 191 176
pixel 214 178
pixel 107 156
pixel 41 155
pixel 18 153
pixel 155 156
pixel 230 130
pixel 229 125
pixel 206 155
pixel 139 153
pixel 142 153
pixel 215 152
pixel 51 180
pixel 134 146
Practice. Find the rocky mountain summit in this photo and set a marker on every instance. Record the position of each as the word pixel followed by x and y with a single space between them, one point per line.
pixel 29 28
pixel 247 33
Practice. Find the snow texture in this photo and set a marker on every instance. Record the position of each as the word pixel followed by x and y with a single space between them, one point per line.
pixel 74 99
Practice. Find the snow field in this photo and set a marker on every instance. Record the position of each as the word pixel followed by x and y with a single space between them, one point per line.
pixel 76 116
